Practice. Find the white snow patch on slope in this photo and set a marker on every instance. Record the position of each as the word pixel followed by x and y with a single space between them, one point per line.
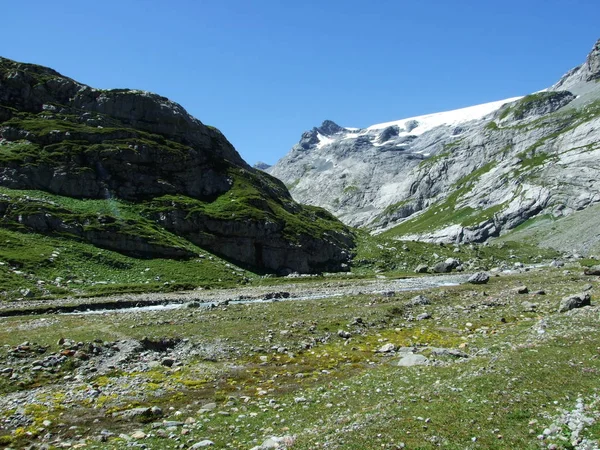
pixel 323 140
pixel 449 118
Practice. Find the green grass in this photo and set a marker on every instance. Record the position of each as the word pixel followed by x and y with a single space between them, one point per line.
pixel 354 398
pixel 384 254
pixel 35 262
pixel 492 126
pixel 257 197
pixel 437 157
pixel 446 211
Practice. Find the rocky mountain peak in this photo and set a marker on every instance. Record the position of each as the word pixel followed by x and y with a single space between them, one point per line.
pixel 311 138
pixel 577 78
pixel 593 63
pixel 329 127
pixel 261 165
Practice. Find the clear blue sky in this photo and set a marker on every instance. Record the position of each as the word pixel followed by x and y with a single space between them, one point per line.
pixel 263 71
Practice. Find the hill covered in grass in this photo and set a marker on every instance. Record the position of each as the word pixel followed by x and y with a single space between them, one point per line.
pixel 133 173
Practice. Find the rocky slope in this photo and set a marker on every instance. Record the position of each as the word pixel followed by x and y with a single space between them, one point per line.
pixel 463 175
pixel 133 172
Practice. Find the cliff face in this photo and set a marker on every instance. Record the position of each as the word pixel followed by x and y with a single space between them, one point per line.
pixel 463 175
pixel 173 179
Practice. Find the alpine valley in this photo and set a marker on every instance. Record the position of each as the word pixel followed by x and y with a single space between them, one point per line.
pixel 526 166
pixel 157 292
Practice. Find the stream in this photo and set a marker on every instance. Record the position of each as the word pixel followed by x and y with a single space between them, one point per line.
pixel 245 295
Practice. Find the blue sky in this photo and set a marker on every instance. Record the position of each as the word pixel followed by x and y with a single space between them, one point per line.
pixel 264 71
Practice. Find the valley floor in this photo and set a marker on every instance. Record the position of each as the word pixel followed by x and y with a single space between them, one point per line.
pixel 363 364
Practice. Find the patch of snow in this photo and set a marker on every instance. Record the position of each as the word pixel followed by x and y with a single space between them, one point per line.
pixel 449 118
pixel 323 140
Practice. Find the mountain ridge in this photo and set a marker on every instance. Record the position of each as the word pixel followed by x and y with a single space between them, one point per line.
pixel 477 178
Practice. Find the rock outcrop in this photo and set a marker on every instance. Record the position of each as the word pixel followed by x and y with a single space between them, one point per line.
pixel 459 176
pixel 181 182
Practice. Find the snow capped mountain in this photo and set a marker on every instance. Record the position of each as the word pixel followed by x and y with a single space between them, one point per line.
pixel 359 171
pixel 461 175
pixel 421 124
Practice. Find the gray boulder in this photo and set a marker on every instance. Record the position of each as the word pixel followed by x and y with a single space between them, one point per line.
pixel 442 267
pixel 574 301
pixel 479 278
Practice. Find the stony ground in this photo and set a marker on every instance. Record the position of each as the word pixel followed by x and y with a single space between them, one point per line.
pixel 361 364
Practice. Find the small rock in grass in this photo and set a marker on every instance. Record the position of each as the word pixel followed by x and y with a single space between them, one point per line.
pixel 202 444
pixel 168 362
pixel 387 348
pixel 138 434
pixel 344 334
pixel 419 300
pixel 521 290
pixel 529 307
pixel 422 268
pixel 209 406
pixel 413 360
pixel 424 316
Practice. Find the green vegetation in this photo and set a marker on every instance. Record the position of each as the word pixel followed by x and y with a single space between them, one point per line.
pixel 503 395
pixel 38 149
pixel 446 212
pixel 529 102
pixel 52 266
pixel 384 254
pixel 532 101
pixel 492 126
pixel 433 159
pixel 256 197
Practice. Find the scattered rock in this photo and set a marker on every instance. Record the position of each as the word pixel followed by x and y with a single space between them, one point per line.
pixel 141 413
pixel 387 348
pixel 424 316
pixel 344 334
pixel 202 444
pixel 419 300
pixel 413 360
pixel 138 434
pixel 521 290
pixel 593 271
pixel 479 278
pixel 422 268
pixel 574 301
pixel 208 407
pixel 528 306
